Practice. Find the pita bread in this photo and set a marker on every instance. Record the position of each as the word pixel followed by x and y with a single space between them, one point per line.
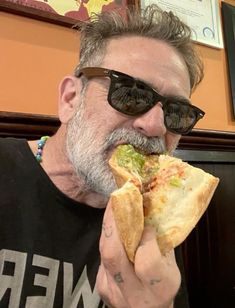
pixel 170 194
pixel 127 206
pixel 176 202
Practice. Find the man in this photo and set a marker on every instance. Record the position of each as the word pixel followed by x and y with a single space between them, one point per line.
pixel 132 85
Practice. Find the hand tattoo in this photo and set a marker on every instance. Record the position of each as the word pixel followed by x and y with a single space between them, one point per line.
pixel 108 231
pixel 154 281
pixel 118 278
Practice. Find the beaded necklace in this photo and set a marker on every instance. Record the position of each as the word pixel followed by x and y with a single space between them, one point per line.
pixel 41 142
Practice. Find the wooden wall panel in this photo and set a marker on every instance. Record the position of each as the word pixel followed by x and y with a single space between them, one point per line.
pixel 209 251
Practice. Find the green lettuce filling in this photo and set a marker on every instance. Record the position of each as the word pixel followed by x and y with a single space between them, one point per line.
pixel 136 162
pixel 175 181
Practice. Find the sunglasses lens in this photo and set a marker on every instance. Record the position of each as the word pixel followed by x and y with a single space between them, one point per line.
pixel 179 117
pixel 130 97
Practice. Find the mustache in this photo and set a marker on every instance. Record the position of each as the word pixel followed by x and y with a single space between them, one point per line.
pixel 147 145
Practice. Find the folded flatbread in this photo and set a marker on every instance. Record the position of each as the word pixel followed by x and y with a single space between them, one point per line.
pixel 157 190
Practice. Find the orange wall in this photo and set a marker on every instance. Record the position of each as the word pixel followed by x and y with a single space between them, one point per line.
pixel 213 94
pixel 36 55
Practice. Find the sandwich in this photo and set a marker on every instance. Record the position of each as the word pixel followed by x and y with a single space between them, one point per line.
pixel 160 191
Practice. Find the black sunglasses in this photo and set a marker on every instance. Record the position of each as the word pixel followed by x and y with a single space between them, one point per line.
pixel 133 97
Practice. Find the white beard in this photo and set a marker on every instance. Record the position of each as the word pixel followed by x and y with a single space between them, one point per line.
pixel 88 154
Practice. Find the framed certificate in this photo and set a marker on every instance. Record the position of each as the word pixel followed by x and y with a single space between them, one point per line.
pixel 202 16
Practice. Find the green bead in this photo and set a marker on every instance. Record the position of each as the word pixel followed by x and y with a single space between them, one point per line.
pixel 41 144
pixel 44 138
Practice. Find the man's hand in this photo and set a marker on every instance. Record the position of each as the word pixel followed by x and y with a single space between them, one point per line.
pixel 153 280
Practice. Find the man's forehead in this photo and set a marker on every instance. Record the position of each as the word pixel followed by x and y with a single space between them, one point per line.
pixel 149 60
pixel 133 41
pixel 137 50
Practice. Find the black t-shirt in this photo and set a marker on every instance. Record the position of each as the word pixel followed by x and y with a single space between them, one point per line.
pixel 49 254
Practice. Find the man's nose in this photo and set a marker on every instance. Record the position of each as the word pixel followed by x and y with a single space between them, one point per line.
pixel 151 124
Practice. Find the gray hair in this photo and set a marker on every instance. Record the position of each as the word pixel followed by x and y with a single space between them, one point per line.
pixel 152 22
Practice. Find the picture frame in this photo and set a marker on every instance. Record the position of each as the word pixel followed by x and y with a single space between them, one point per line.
pixel 41 10
pixel 203 17
pixel 228 13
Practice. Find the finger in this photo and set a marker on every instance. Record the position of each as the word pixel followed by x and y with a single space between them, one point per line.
pixel 148 259
pixel 108 291
pixel 149 240
pixel 152 268
pixel 102 284
pixel 110 243
pixel 114 259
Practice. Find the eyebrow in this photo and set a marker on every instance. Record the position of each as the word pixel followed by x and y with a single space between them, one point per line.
pixel 178 98
pixel 149 84
pixel 172 97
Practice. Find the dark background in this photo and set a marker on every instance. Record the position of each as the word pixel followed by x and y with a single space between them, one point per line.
pixel 209 251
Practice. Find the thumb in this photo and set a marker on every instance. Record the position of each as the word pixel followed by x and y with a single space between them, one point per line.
pixel 148 245
pixel 149 235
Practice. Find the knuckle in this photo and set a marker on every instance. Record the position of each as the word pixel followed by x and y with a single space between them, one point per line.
pixel 110 259
pixel 101 280
pixel 176 282
pixel 100 287
pixel 110 294
pixel 146 265
pixel 142 270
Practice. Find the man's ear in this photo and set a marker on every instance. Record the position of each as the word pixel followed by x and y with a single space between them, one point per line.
pixel 69 90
